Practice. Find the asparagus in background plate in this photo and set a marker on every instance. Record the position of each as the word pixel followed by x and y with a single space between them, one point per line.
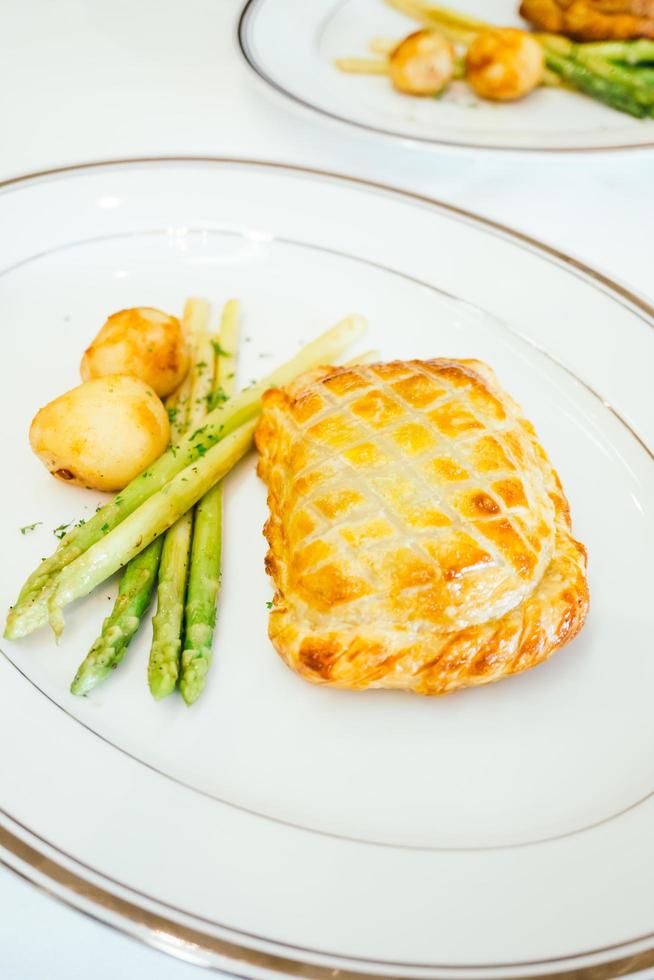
pixel 627 89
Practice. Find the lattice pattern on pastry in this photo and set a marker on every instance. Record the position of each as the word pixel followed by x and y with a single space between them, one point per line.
pixel 410 487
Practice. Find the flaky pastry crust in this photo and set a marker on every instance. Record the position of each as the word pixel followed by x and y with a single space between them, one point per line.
pixel 419 536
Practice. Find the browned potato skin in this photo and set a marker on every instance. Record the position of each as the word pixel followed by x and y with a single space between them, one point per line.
pixel 142 342
pixel 101 434
pixel 422 64
pixel 504 64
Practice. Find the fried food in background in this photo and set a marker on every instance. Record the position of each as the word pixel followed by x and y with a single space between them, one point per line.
pixel 592 20
pixel 422 64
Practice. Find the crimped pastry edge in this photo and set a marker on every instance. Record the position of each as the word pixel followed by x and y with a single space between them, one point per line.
pixel 425 661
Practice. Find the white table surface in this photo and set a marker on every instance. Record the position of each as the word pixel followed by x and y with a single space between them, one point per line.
pixel 84 80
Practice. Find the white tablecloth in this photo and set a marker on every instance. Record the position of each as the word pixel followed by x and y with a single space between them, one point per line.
pixel 84 80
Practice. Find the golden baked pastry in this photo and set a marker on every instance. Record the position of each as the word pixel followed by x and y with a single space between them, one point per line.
pixel 419 537
pixel 592 20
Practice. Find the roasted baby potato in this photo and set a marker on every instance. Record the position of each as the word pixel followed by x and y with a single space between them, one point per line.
pixel 504 64
pixel 142 342
pixel 101 434
pixel 422 64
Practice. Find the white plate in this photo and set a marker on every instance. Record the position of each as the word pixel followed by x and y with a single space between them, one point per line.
pixel 280 826
pixel 292 44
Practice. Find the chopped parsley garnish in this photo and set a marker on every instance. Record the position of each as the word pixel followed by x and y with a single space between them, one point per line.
pixel 61 531
pixel 104 528
pixel 219 398
pixel 218 350
pixel 269 605
pixel 173 412
pixel 201 366
pixel 30 527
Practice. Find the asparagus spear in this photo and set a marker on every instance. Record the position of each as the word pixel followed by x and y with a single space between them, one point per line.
pixel 223 420
pixel 204 574
pixel 458 27
pixel 643 74
pixel 619 87
pixel 118 629
pixel 631 79
pixel 630 52
pixel 606 89
pixel 163 663
pixel 363 66
pixel 203 586
pixel 225 350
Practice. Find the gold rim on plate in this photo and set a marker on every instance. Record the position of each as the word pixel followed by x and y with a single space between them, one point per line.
pixel 193 944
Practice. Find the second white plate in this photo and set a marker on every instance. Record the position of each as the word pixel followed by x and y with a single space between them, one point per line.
pixel 291 45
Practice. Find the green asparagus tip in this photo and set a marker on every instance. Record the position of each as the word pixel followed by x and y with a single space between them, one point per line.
pixel 194 675
pixel 95 668
pixel 162 679
pixel 78 686
pixel 83 685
